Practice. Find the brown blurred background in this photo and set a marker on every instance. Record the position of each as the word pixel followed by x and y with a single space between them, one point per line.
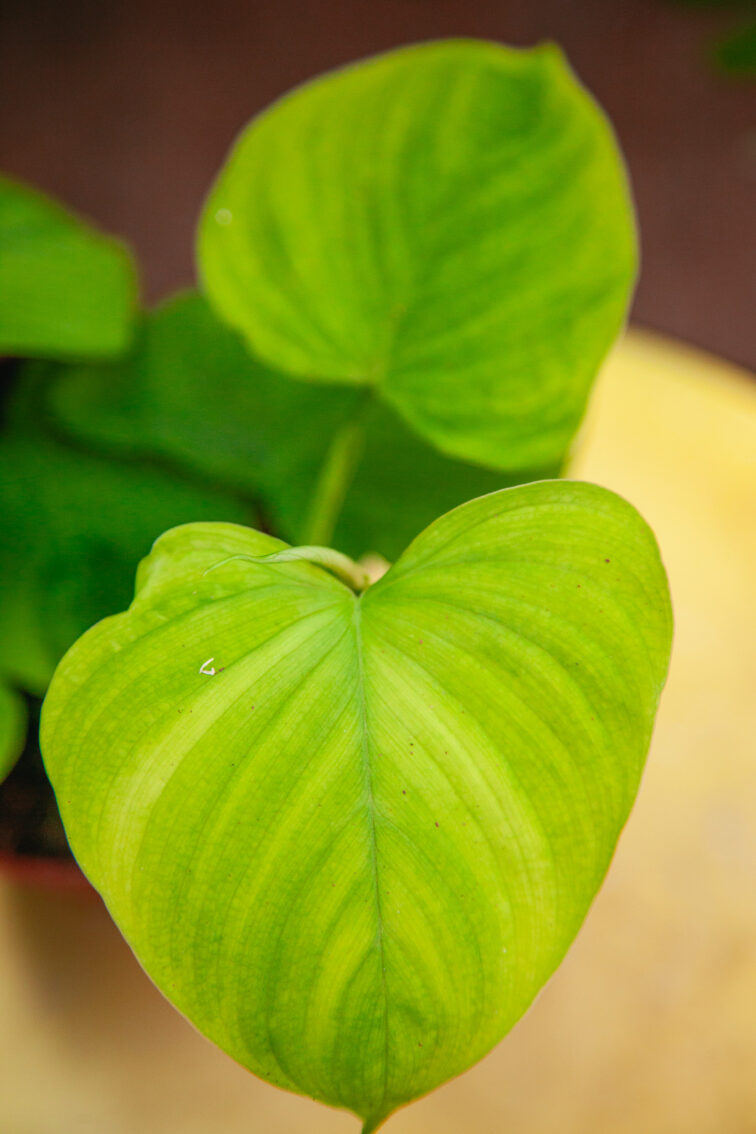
pixel 125 110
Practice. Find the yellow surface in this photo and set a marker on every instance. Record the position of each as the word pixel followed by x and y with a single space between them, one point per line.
pixel 649 1027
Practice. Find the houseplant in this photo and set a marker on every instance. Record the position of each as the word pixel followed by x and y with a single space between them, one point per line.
pixel 73 522
pixel 480 338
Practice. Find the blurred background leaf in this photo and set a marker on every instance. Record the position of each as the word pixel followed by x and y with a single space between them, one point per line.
pixel 191 394
pixel 74 527
pixel 12 728
pixel 66 291
pixel 736 55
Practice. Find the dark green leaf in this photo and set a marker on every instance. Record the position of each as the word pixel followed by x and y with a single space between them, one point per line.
pixel 737 54
pixel 73 527
pixel 190 393
pixel 12 728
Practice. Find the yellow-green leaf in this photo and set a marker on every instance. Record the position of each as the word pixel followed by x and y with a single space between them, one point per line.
pixel 447 224
pixel 350 836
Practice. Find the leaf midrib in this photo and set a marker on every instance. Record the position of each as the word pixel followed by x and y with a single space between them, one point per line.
pixel 371 811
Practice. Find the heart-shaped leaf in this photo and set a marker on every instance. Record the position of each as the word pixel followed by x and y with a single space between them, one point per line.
pixel 12 728
pixel 65 290
pixel 448 225
pixel 73 525
pixel 351 836
pixel 190 392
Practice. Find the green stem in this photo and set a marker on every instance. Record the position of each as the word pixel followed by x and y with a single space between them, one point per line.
pixel 335 479
pixel 351 573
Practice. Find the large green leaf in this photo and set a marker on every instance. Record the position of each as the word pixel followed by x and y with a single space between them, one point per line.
pixel 65 290
pixel 189 392
pixel 447 224
pixel 12 728
pixel 351 836
pixel 73 526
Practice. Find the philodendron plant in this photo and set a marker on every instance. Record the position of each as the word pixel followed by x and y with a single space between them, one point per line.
pixel 349 827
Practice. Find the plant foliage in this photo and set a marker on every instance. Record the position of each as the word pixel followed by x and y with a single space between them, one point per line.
pixel 351 836
pixel 348 829
pixel 65 290
pixel 190 393
pixel 447 225
pixel 12 728
pixel 73 526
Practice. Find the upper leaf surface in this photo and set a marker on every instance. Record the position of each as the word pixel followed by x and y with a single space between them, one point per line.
pixel 65 290
pixel 449 223
pixel 351 837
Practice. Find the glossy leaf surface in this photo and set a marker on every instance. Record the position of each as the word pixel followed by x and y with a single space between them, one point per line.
pixel 12 728
pixel 73 526
pixel 448 225
pixel 66 291
pixel 350 837
pixel 191 393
